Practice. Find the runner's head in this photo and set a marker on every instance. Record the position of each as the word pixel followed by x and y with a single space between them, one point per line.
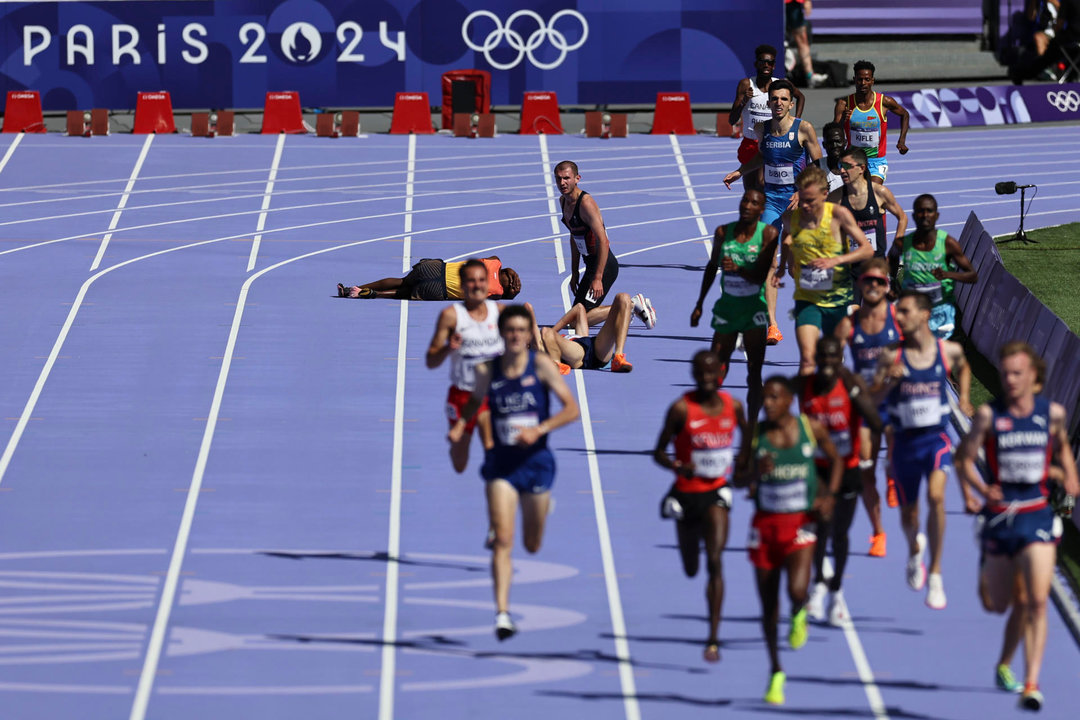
pixel 913 312
pixel 708 371
pixel 833 139
pixel 1020 369
pixel 511 283
pixel 776 397
pixel 829 355
pixel 864 77
pixel 874 281
pixel 925 212
pixel 567 176
pixel 781 98
pixel 752 206
pixel 853 165
pixel 515 327
pixel 474 282
pixel 764 60
pixel 813 187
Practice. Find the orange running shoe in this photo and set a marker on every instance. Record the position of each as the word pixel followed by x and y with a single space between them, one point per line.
pixel 774 335
pixel 564 369
pixel 620 364
pixel 877 545
pixel 890 493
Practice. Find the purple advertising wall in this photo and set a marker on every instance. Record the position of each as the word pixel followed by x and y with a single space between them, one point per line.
pixel 897 17
pixel 990 105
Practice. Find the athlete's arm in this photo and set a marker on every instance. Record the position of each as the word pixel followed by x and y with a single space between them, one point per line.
pixel 445 340
pixel 743 93
pixel 888 201
pixel 673 423
pixel 800 101
pixel 710 273
pixel 575 263
pixel 967 272
pixel 840 111
pixel 574 316
pixel 888 374
pixel 892 106
pixel 759 272
pixel 848 227
pixel 809 140
pixel 967 455
pixel 823 503
pixel 961 371
pixel 750 165
pixel 590 215
pixel 893 256
pixel 860 399
pixel 483 380
pixel 537 342
pixel 549 375
pixel 742 460
pixel 1062 447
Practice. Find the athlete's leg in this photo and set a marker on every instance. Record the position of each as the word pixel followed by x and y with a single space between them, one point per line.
pixel 459 451
pixel 768 585
pixel 1037 568
pixel 611 339
pixel 483 428
pixel 534 512
pixel 723 344
pixel 843 515
pixel 754 342
pixel 909 521
pixel 771 293
pixel 802 43
pixel 807 337
pixel 1014 626
pixel 823 530
pixel 870 448
pixel 384 285
pixel 798 565
pixel 502 501
pixel 688 535
pixel 716 535
pixel 935 518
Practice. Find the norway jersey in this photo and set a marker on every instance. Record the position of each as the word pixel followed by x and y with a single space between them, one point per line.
pixel 920 402
pixel 583 236
pixel 836 412
pixel 708 442
pixel 780 155
pixel 866 128
pixel 480 342
pixel 517 403
pixel 866 347
pixel 755 111
pixel 1018 453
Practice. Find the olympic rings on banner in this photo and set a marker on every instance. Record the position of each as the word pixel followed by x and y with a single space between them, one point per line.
pixel 1064 101
pixel 524 47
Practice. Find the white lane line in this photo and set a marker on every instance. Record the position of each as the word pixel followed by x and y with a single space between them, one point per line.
pixel 388 670
pixel 261 224
pixel 123 202
pixel 690 194
pixel 10 151
pixel 549 187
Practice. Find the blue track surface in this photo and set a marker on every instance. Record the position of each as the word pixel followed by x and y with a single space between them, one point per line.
pixel 208 456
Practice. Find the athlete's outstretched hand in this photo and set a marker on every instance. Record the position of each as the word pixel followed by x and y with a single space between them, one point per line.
pixel 823 263
pixel 695 317
pixel 731 177
pixel 528 436
pixel 793 202
pixel 902 147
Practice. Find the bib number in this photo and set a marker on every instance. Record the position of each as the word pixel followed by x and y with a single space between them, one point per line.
pixel 1021 467
pixel 865 138
pixel 842 440
pixel 817 279
pixel 739 286
pixel 712 463
pixel 787 498
pixel 510 427
pixel 920 412
pixel 579 241
pixel 780 174
pixel 931 290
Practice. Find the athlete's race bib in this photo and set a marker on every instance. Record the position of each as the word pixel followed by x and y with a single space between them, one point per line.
pixel 760 114
pixel 780 174
pixel 842 440
pixel 510 427
pixel 865 138
pixel 712 463
pixel 920 412
pixel 818 279
pixel 931 290
pixel 1022 467
pixel 739 286
pixel 579 241
pixel 787 498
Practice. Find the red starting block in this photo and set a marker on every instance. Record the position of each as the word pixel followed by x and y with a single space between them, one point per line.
pixel 474 125
pixel 23 112
pixel 78 123
pixel 605 124
pixel 340 124
pixel 281 114
pixel 211 124
pixel 724 128
pixel 540 114
pixel 99 121
pixel 412 114
pixel 673 114
pixel 153 113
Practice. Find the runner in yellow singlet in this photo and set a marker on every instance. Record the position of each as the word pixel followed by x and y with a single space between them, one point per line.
pixel 816 240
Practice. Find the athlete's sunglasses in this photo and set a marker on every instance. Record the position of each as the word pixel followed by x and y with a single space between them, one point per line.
pixel 873 280
pixel 765 61
pixel 850 166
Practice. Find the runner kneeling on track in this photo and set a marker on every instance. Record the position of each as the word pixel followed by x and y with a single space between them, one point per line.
pixel 434 279
pixel 583 352
pixel 784 483
pixel 702 423
pixel 519 468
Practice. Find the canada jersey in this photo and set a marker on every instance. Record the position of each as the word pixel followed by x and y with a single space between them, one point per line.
pixel 708 442
pixel 867 347
pixel 920 401
pixel 480 342
pixel 582 235
pixel 836 412
pixel 756 110
pixel 867 128
pixel 516 403
pixel 780 155
pixel 1018 454
pixel 744 255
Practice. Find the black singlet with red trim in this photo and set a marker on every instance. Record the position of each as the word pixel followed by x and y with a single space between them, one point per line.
pixel 579 229
pixel 869 218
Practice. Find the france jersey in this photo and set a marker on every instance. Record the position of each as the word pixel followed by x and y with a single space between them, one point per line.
pixel 780 155
pixel 518 403
pixel 866 347
pixel 920 401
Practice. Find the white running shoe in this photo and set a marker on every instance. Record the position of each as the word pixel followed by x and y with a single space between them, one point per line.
pixel 644 311
pixel 935 592
pixel 838 612
pixel 815 608
pixel 916 568
pixel 504 626
pixel 652 314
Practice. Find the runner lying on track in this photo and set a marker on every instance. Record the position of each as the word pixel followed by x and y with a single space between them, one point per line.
pixel 434 279
pixel 583 352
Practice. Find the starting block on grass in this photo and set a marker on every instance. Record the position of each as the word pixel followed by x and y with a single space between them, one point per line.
pixel 540 114
pixel 474 125
pixel 281 114
pixel 341 124
pixel 412 114
pixel 213 123
pixel 673 115
pixel 153 113
pixel 605 125
pixel 23 112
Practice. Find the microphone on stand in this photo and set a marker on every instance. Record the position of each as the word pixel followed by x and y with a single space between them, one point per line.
pixel 1009 188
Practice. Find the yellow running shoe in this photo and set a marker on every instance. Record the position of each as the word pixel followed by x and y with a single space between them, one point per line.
pixel 797 636
pixel 775 694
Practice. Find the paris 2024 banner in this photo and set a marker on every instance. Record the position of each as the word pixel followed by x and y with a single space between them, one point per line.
pixel 229 53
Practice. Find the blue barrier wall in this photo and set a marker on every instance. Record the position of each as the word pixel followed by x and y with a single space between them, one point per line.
pixel 360 52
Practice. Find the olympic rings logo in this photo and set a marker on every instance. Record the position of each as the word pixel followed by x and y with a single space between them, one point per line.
pixel 517 41
pixel 1064 101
